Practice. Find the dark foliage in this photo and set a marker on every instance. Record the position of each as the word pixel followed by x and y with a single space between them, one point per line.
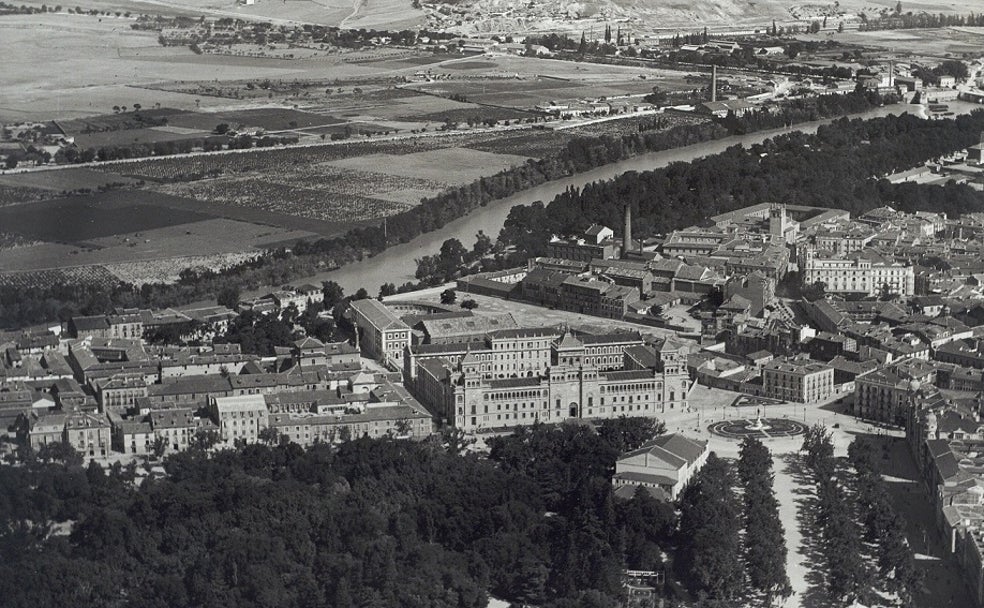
pixel 833 168
pixel 710 557
pixel 369 523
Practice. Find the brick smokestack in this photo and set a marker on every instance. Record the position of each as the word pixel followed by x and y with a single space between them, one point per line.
pixel 714 83
pixel 627 233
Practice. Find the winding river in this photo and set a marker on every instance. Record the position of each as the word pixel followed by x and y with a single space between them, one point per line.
pixel 397 264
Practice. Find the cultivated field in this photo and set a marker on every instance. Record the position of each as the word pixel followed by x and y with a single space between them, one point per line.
pixel 268 119
pixel 89 275
pixel 63 180
pixel 350 190
pixel 449 165
pixel 210 237
pixel 81 218
pixel 87 73
pixel 169 270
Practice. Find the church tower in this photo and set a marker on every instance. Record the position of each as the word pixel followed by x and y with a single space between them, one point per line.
pixel 778 220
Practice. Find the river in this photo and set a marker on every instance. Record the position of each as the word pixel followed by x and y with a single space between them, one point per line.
pixel 397 264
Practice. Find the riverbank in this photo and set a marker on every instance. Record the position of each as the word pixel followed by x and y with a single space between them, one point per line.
pixel 397 264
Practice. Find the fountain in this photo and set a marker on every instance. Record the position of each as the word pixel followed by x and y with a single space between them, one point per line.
pixel 758 425
pixel 762 428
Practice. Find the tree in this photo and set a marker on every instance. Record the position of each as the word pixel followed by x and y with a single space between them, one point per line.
pixel 451 258
pixel 710 546
pixel 483 244
pixel 222 128
pixel 158 447
pixel 765 545
pixel 204 440
pixel 60 451
pixel 448 296
pixel 658 97
pixel 386 289
pixel 228 297
pixel 269 435
pixel 332 293
pixel 361 294
pixel 469 304
pixel 625 433
pixel 403 427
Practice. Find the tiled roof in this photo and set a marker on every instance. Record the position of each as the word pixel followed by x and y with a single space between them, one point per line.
pixel 378 314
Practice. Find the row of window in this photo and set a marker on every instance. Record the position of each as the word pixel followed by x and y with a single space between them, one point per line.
pixel 519 415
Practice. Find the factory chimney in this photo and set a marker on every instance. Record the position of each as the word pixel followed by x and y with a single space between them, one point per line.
pixel 627 233
pixel 714 83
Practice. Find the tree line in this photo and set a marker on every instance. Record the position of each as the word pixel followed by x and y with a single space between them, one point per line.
pixel 847 576
pixel 833 168
pixel 864 546
pixel 721 566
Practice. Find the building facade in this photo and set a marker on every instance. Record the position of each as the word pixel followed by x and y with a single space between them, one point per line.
pixel 383 335
pixel 797 380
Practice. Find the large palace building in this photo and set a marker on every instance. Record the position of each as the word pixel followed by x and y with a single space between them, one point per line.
pixel 518 377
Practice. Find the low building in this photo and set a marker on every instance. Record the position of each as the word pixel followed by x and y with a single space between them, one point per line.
pixel 720 109
pixel 667 464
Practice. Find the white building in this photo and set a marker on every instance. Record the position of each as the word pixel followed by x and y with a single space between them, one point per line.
pixel 383 335
pixel 663 466
pixel 858 275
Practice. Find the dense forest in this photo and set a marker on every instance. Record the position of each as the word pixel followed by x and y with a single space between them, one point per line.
pixel 367 523
pixel 835 168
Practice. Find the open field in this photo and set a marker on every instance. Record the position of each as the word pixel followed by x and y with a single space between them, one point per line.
pixel 354 189
pixel 450 165
pixel 535 144
pixel 175 242
pixel 64 180
pixel 107 122
pixel 136 136
pixel 76 219
pixel 84 73
pixel 268 119
pixel 932 43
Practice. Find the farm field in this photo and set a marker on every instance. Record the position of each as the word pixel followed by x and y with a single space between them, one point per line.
pixel 535 144
pixel 629 125
pixel 361 188
pixel 86 73
pixel 81 218
pixel 268 119
pixel 177 241
pixel 477 114
pixel 450 165
pixel 63 180
pixel 931 42
pixel 106 122
pixel 134 136
pixel 90 275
